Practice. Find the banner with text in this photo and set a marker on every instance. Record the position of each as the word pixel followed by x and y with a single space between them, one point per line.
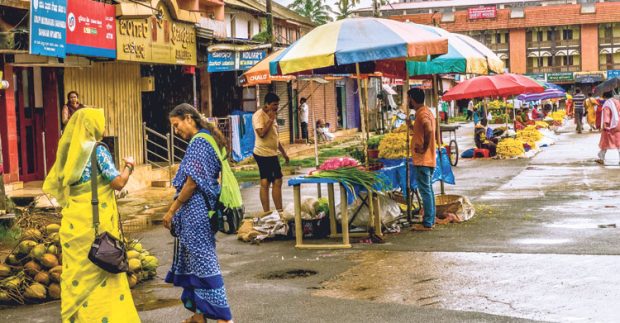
pixel 91 28
pixel 226 61
pixel 481 13
pixel 48 27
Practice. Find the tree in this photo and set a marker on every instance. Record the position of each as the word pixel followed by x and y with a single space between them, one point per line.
pixel 344 8
pixel 315 10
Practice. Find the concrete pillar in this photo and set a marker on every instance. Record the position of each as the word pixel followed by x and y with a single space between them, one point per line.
pixel 518 51
pixel 589 48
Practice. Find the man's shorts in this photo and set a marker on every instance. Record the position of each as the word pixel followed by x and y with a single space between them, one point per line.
pixel 269 167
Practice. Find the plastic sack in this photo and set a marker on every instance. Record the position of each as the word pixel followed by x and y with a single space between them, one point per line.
pixel 388 208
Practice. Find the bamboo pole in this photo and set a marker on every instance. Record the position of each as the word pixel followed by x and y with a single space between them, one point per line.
pixel 438 126
pixel 408 166
pixel 316 140
pixel 362 119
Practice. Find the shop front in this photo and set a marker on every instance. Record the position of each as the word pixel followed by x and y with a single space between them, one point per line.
pixel 586 81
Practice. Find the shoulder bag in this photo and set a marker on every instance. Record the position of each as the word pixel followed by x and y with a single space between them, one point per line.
pixel 107 252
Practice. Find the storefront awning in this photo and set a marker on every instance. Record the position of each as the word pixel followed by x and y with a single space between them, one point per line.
pixel 236 47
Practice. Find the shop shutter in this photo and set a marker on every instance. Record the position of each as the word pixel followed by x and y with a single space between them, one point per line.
pixel 284 115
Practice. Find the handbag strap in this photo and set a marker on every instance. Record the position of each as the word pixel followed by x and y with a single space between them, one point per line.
pixel 94 174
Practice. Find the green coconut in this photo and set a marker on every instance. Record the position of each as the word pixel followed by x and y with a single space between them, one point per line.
pixel 5 271
pixel 52 249
pixel 32 268
pixel 25 247
pixel 150 263
pixel 133 280
pixel 55 274
pixel 36 291
pixel 134 265
pixel 12 260
pixel 132 254
pixel 42 278
pixel 55 238
pixel 48 260
pixel 38 251
pixel 54 291
pixel 32 234
pixel 137 246
pixel 52 228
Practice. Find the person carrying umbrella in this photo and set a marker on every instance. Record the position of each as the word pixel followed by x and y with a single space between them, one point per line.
pixel 610 127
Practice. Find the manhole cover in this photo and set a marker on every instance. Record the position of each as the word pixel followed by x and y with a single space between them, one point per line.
pixel 289 274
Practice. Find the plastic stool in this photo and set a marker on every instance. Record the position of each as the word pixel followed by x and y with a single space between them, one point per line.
pixel 481 153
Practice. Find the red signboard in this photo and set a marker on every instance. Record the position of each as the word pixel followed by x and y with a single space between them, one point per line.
pixel 482 13
pixel 91 28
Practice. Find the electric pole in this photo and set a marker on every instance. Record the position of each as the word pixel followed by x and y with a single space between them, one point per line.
pixel 269 26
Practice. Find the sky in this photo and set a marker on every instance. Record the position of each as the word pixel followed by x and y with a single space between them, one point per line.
pixel 331 3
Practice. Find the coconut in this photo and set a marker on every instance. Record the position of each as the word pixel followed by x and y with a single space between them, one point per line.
pixel 48 260
pixel 132 254
pixel 54 291
pixel 38 251
pixel 52 249
pixel 32 268
pixel 150 263
pixel 32 234
pixel 52 228
pixel 55 238
pixel 12 282
pixel 35 291
pixel 55 274
pixel 25 246
pixel 133 280
pixel 4 297
pixel 5 271
pixel 143 275
pixel 12 260
pixel 137 246
pixel 134 265
pixel 42 278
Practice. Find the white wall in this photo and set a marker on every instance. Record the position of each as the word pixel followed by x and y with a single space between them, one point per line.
pixel 241 25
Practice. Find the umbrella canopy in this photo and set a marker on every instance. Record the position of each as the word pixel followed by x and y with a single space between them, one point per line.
pixel 548 85
pixel 607 86
pixel 465 55
pixel 349 41
pixel 547 94
pixel 259 73
pixel 493 86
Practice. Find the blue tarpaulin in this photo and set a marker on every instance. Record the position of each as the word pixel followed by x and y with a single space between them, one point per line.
pixel 246 136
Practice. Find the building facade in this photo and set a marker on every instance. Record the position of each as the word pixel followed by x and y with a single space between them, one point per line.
pixel 569 42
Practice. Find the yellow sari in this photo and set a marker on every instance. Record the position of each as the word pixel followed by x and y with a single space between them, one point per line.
pixel 88 293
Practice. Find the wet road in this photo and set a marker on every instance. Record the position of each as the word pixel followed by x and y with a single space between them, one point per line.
pixel 542 247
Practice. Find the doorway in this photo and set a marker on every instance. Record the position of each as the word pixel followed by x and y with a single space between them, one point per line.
pixel 341 104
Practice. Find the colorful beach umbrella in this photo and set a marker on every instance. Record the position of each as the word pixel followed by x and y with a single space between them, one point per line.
pixel 465 56
pixel 259 73
pixel 547 94
pixel 338 46
pixel 503 85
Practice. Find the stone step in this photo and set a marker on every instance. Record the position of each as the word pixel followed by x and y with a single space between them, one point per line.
pixel 14 186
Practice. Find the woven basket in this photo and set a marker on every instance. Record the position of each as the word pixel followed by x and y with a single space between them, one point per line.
pixel 447 204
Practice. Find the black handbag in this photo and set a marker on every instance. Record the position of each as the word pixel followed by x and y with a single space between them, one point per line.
pixel 107 252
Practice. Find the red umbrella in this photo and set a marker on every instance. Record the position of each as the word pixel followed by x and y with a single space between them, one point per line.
pixel 503 85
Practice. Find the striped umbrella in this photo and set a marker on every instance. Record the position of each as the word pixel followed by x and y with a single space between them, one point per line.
pixel 465 55
pixel 259 73
pixel 549 93
pixel 338 47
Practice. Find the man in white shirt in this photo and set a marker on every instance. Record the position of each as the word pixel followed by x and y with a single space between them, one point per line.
pixel 303 118
pixel 470 110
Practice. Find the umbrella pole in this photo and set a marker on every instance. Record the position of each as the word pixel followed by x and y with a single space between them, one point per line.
pixel 438 126
pixel 363 118
pixel 316 139
pixel 408 166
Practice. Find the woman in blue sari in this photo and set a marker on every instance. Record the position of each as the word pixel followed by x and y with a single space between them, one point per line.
pixel 195 266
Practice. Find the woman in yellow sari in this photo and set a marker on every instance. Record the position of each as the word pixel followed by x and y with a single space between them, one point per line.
pixel 89 293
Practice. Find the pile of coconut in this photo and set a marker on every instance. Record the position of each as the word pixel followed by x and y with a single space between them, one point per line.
pixel 32 271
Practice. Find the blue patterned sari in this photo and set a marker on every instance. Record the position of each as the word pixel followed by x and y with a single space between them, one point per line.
pixel 195 266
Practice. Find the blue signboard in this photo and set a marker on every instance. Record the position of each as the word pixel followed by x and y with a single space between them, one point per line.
pixel 225 61
pixel 251 58
pixel 48 25
pixel 613 73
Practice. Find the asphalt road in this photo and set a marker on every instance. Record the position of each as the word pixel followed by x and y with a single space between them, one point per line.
pixel 535 251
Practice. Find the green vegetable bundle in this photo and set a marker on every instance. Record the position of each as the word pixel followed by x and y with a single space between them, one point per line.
pixel 352 176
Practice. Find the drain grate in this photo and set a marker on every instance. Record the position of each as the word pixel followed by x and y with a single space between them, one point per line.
pixel 289 274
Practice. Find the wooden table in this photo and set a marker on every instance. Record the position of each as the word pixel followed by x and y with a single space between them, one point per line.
pixel 344 213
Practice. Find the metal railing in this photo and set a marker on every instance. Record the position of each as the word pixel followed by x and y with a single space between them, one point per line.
pixel 157 152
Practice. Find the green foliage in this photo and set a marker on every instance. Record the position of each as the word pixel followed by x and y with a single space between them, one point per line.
pixel 373 142
pixel 315 10
pixel 344 8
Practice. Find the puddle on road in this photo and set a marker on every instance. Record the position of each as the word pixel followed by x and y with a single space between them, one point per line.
pixel 288 274
pixel 154 304
pixel 564 289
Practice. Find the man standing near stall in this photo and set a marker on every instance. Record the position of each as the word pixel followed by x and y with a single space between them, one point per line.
pixel 578 100
pixel 424 155
pixel 303 118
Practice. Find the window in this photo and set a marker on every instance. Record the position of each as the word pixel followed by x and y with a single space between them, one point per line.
pixel 528 36
pixel 609 59
pixel 549 35
pixel 498 38
pixel 539 36
pixel 567 34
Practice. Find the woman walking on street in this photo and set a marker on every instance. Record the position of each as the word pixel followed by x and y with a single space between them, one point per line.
pixel 610 127
pixel 89 293
pixel 195 266
pixel 591 107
